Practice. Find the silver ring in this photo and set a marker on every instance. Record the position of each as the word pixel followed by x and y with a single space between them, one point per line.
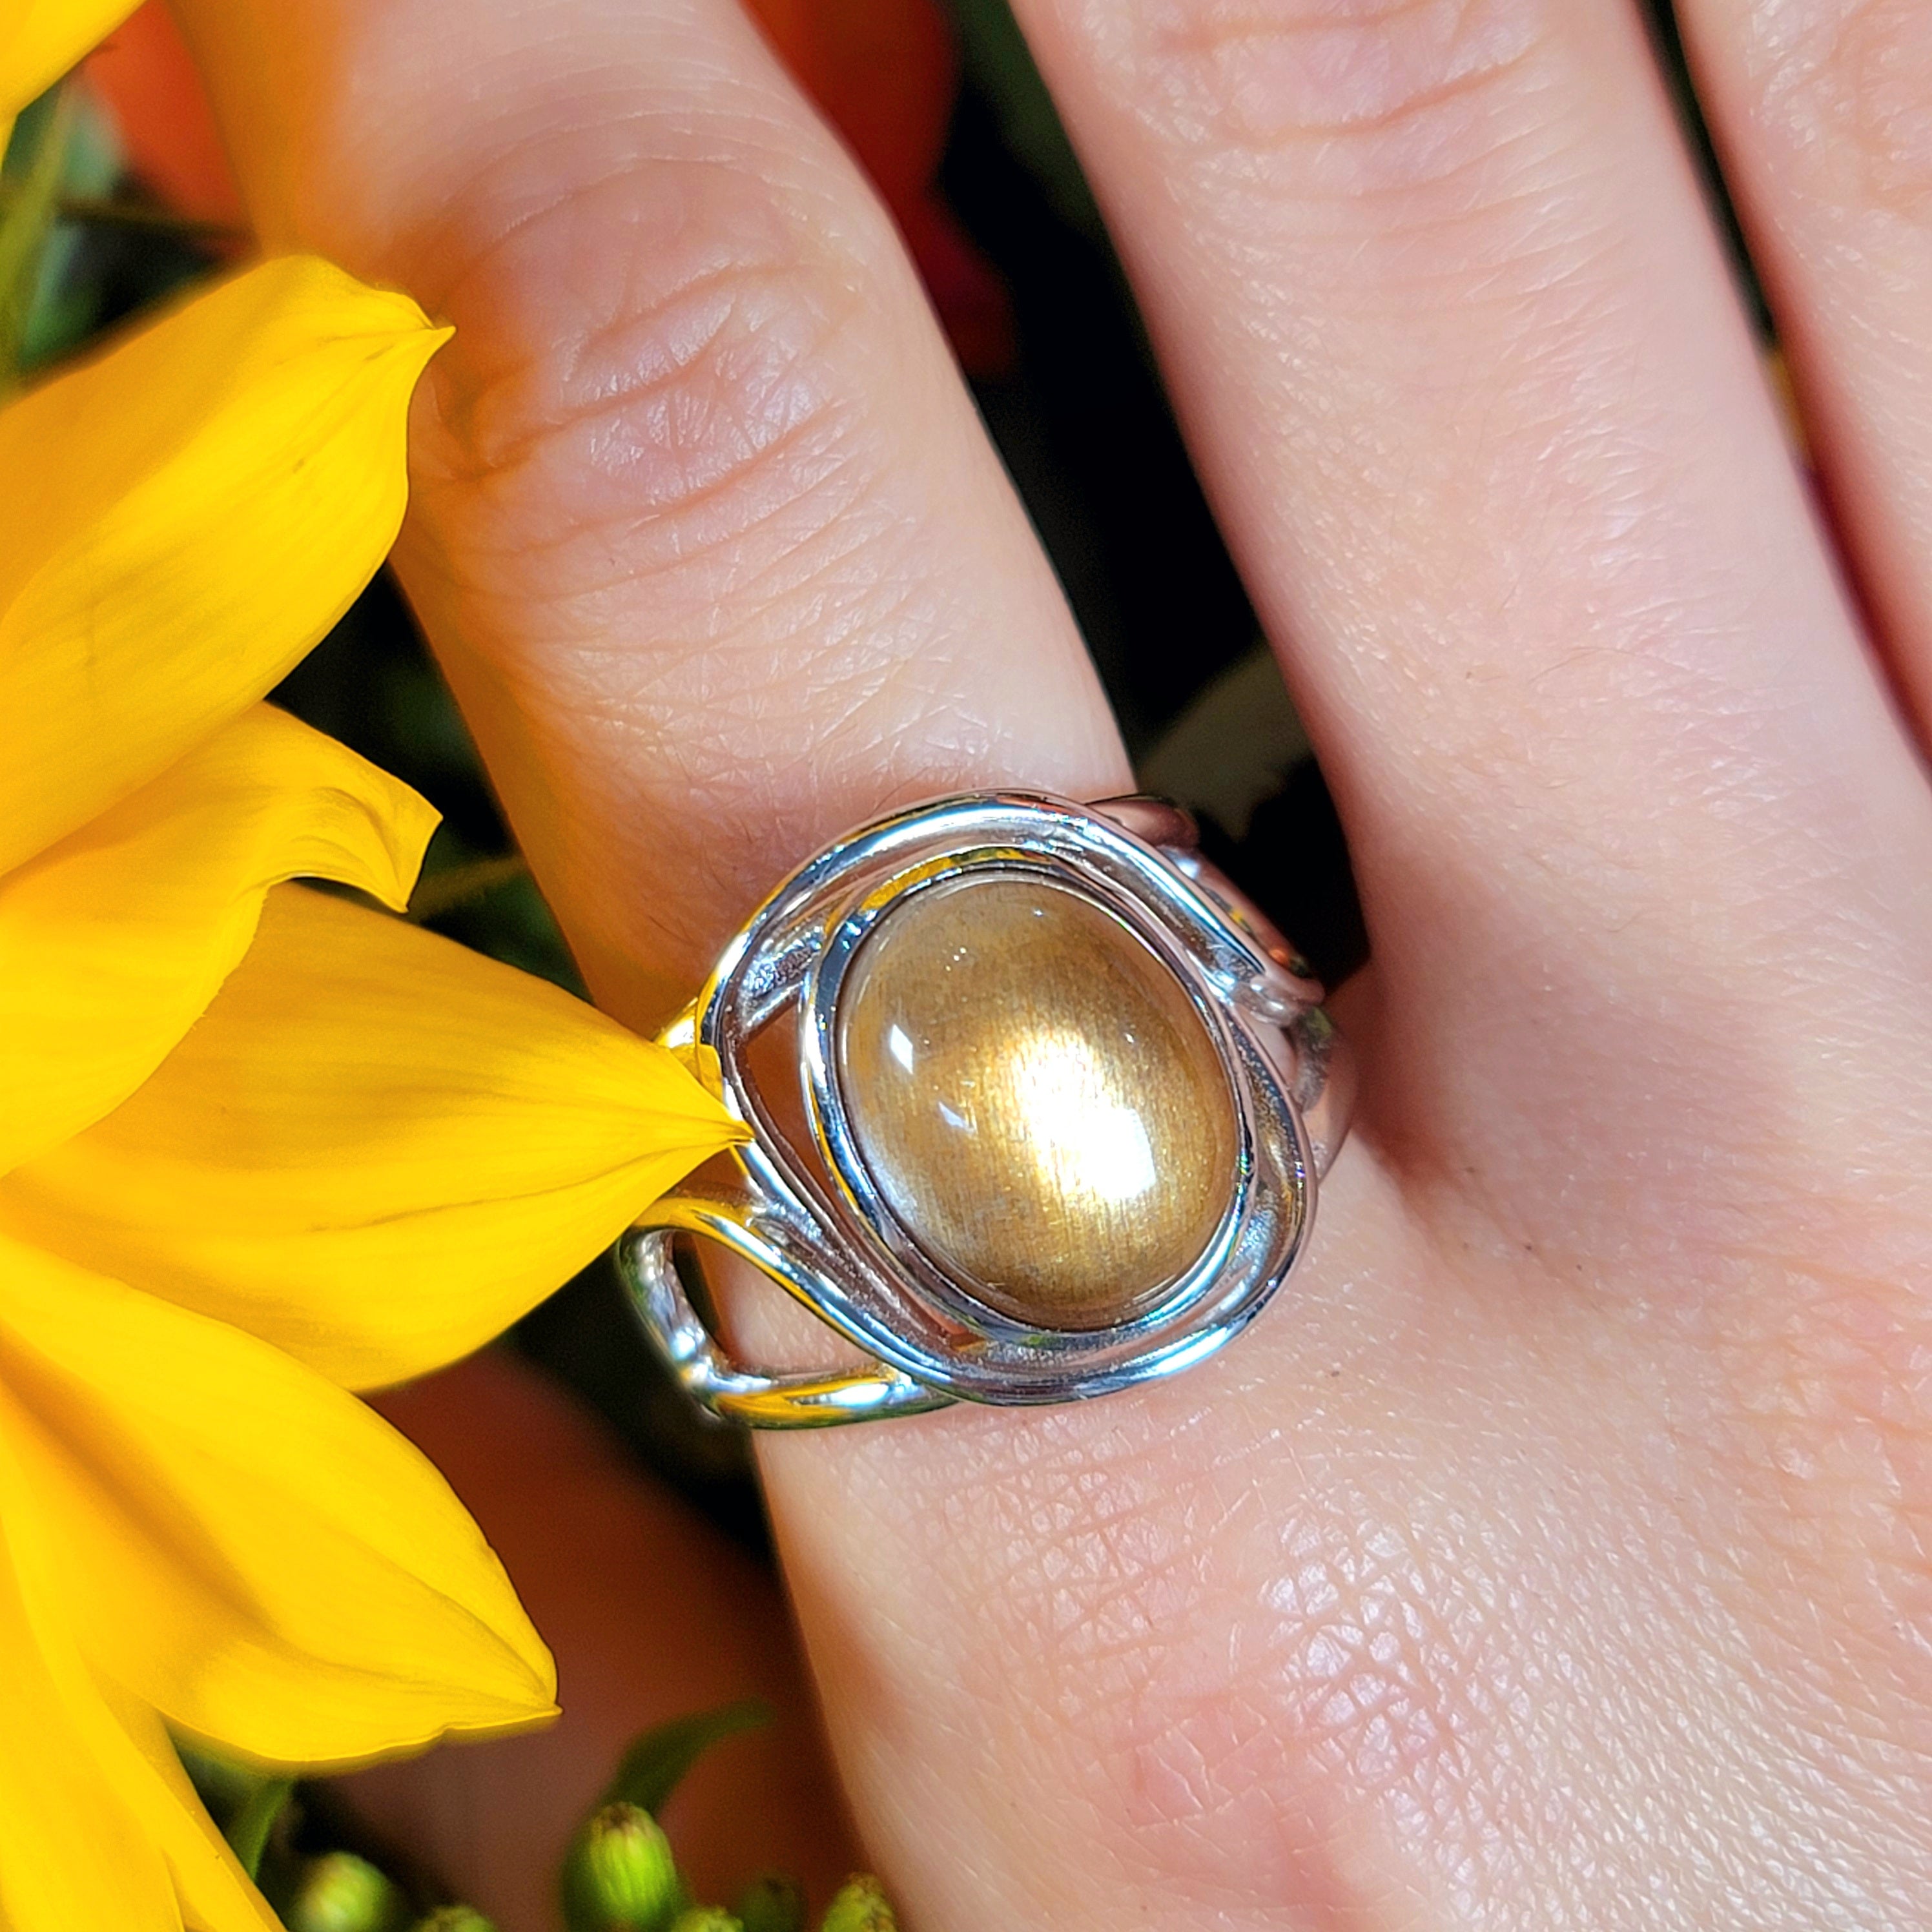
pixel 1064 1097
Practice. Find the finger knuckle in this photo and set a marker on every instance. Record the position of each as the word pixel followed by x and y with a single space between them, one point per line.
pixel 1397 92
pixel 675 407
pixel 1852 83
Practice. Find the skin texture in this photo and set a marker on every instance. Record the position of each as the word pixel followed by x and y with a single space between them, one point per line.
pixel 1554 1556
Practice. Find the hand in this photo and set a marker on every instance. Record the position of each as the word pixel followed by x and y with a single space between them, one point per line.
pixel 1556 1553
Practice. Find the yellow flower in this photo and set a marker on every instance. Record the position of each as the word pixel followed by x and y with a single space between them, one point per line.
pixel 40 40
pixel 259 1146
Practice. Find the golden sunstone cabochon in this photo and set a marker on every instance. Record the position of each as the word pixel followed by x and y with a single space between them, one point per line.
pixel 1036 1098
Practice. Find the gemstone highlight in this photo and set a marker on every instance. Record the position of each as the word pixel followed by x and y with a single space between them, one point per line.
pixel 1036 1098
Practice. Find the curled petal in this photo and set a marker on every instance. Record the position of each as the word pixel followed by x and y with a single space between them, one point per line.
pixel 227 480
pixel 376 1149
pixel 245 1546
pixel 113 941
pixel 40 40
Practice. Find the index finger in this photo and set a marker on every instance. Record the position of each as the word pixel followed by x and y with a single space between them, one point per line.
pixel 703 527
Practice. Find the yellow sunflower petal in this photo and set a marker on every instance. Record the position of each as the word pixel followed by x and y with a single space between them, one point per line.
pixel 40 40
pixel 113 941
pixel 216 1894
pixel 243 1545
pixel 376 1149
pixel 72 1852
pixel 228 481
pixel 99 1760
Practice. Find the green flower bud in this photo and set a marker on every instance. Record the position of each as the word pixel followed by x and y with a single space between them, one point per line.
pixel 772 1903
pixel 454 1918
pixel 339 1892
pixel 706 1919
pixel 619 1876
pixel 860 1907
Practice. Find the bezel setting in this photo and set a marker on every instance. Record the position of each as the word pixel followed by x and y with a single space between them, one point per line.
pixel 812 1218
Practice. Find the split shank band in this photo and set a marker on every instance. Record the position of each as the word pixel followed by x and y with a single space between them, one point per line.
pixel 1067 1095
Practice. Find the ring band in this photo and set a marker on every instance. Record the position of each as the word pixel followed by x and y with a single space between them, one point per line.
pixel 1066 1096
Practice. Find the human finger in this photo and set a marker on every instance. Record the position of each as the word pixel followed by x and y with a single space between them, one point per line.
pixel 1821 107
pixel 1442 305
pixel 703 527
pixel 1401 1612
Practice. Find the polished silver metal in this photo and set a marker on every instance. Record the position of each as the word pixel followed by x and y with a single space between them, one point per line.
pixel 811 1217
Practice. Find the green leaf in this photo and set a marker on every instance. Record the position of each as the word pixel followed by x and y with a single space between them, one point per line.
pixel 655 1765
pixel 440 893
pixel 243 1803
pixel 224 1787
pixel 32 207
pixel 103 211
pixel 248 1832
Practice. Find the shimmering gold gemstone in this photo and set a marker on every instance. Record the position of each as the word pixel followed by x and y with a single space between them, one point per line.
pixel 1036 1098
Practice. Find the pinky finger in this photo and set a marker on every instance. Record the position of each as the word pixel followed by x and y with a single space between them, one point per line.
pixel 1822 110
